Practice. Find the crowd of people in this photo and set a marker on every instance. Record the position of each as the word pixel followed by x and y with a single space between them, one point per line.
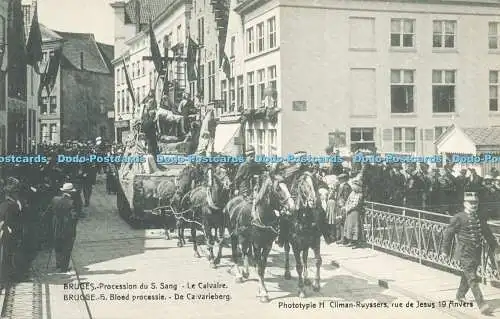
pixel 41 203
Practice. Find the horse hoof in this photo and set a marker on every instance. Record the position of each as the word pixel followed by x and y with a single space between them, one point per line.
pixel 302 294
pixel 246 274
pixel 238 280
pixel 264 299
pixel 217 261
pixel 179 244
pixel 197 255
pixel 288 276
pixel 307 282
pixel 213 265
pixel 316 288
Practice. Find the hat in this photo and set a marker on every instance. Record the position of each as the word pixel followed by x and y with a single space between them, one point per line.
pixel 497 178
pixel 300 153
pixel 488 177
pixel 67 187
pixel 250 151
pixel 470 196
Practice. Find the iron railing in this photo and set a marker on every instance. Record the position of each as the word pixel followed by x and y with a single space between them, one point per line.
pixel 417 235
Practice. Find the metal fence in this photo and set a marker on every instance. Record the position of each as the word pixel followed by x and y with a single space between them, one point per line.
pixel 417 235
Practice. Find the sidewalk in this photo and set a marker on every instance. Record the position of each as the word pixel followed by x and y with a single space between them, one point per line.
pixel 412 279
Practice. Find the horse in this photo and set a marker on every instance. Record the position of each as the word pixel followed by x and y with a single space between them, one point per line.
pixel 302 231
pixel 204 205
pixel 272 197
pixel 186 181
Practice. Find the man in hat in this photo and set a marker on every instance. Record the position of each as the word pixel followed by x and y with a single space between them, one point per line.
pixel 470 228
pixel 149 127
pixel 246 179
pixel 64 229
pixel 338 218
pixel 10 216
pixel 185 108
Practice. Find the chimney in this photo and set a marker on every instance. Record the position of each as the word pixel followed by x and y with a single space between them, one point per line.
pixel 137 16
pixel 81 60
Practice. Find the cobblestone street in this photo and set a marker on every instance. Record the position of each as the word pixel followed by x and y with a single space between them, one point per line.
pixel 109 252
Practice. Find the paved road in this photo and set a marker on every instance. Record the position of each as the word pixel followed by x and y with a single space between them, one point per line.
pixel 108 253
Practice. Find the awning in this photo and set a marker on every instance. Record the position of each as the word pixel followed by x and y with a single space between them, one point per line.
pixel 226 136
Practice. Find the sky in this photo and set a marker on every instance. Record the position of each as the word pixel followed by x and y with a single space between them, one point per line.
pixel 80 16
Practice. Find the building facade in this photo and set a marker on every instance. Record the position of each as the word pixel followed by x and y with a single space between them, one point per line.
pixel 169 21
pixel 76 107
pixel 357 74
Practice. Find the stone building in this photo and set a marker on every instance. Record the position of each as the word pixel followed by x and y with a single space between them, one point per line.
pixel 82 93
pixel 384 75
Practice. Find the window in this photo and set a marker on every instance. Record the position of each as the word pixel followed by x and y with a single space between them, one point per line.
pixel 493 90
pixel 272 80
pixel 439 130
pixel 143 71
pixel 53 104
pixel 127 106
pixel 123 101
pixel 44 132
pixel 402 86
pixel 201 31
pixel 261 141
pixel 250 41
pixel 232 95
pixel 133 70
pixel 202 82
pixel 117 107
pixel 211 80
pixel 260 37
pixel 443 91
pixel 240 93
pixel 3 31
pixel 250 138
pixel 43 106
pixel 251 90
pixel 444 33
pixel 117 76
pixel 52 136
pixel 261 86
pixel 271 32
pixel 402 33
pixel 223 86
pixel 493 35
pixel 272 142
pixel 362 138
pixel 233 44
pixel 150 80
pixel 404 139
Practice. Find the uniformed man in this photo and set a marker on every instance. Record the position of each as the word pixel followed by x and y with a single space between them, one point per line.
pixel 149 128
pixel 470 228
pixel 64 221
pixel 246 179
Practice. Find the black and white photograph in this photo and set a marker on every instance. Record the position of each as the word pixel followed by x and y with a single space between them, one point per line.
pixel 216 159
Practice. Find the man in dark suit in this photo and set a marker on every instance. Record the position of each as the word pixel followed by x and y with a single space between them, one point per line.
pixel 10 230
pixel 470 228
pixel 64 221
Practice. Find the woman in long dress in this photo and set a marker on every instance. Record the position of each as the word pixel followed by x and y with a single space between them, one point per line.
pixel 354 213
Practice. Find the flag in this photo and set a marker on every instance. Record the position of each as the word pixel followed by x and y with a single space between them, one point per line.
pixel 155 50
pixel 192 61
pixel 129 83
pixel 16 54
pixel 48 78
pixel 226 66
pixel 34 45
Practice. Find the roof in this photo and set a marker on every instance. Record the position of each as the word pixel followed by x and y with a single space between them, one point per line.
pixel 96 56
pixel 480 136
pixel 48 35
pixel 148 9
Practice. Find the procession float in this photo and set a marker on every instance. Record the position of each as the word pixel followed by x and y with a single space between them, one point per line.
pixel 146 186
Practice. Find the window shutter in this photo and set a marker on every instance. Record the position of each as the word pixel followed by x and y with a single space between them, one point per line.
pixel 387 134
pixel 429 134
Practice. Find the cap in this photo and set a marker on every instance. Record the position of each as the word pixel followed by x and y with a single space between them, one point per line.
pixel 488 177
pixel 470 197
pixel 250 151
pixel 300 153
pixel 343 176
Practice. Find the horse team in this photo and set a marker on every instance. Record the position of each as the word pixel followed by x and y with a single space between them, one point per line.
pixel 201 199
